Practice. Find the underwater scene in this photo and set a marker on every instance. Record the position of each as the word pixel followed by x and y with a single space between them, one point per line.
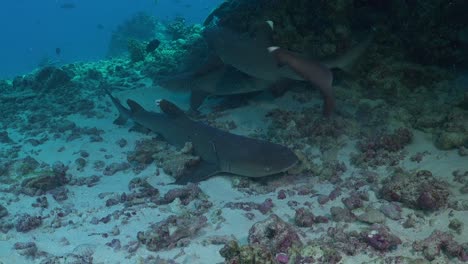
pixel 237 131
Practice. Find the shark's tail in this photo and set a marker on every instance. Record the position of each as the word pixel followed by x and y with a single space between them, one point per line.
pixel 124 113
pixel 312 71
pixel 346 61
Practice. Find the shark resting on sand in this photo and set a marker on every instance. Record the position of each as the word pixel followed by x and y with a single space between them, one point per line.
pixel 241 63
pixel 220 151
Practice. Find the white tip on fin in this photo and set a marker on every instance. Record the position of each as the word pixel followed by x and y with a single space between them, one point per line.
pixel 157 102
pixel 270 24
pixel 273 48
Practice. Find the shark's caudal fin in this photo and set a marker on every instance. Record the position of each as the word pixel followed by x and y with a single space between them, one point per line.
pixel 124 113
pixel 346 61
pixel 312 71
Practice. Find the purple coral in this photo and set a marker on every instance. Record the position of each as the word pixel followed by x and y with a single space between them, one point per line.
pixel 266 206
pixel 186 194
pixel 304 218
pixel 383 148
pixel 171 232
pixel 441 241
pixel 418 190
pixel 26 223
pixel 277 235
pixel 353 202
pixel 380 238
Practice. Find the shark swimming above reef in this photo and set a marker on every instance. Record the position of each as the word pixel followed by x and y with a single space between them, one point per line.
pixel 258 57
pixel 224 80
pixel 241 63
pixel 220 151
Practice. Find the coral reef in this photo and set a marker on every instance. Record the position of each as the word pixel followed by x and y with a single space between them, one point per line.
pixel 334 24
pixel 172 232
pixel 263 208
pixel 136 50
pixel 140 27
pixel 185 194
pixel 26 223
pixel 380 238
pixel 453 131
pixel 233 253
pixel 3 211
pixel 27 249
pixel 418 190
pixel 382 149
pixel 438 242
pixel 274 234
pixel 371 216
pixel 46 180
pixel 51 78
pixel 339 214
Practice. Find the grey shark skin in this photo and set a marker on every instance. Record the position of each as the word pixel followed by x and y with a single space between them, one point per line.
pixel 220 151
pixel 252 56
pixel 258 57
pixel 222 80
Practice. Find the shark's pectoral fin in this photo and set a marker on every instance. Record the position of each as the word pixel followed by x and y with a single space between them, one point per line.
pixel 197 98
pixel 201 172
pixel 121 120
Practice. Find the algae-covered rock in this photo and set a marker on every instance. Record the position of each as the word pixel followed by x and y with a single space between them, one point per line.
pixel 171 232
pixel 329 27
pixel 50 78
pixel 247 254
pixel 274 233
pixel 136 50
pixel 45 180
pixel 450 140
pixel 453 132
pixel 372 216
pixel 418 190
pixel 3 211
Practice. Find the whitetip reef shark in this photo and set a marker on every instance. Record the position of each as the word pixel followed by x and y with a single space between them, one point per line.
pixel 241 63
pixel 224 80
pixel 220 151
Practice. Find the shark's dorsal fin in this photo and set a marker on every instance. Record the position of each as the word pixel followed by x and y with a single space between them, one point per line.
pixel 264 33
pixel 170 108
pixel 134 106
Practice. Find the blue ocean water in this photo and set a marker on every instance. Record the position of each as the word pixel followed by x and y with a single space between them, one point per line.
pixel 132 132
pixel 32 30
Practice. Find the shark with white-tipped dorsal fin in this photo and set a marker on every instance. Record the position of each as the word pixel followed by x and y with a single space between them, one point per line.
pixel 240 63
pixel 220 151
pixel 260 58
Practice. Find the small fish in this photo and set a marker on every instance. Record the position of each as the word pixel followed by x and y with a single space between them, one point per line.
pixel 100 26
pixel 67 5
pixel 58 51
pixel 152 45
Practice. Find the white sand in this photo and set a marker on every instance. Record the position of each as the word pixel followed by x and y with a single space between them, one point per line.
pixel 86 204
